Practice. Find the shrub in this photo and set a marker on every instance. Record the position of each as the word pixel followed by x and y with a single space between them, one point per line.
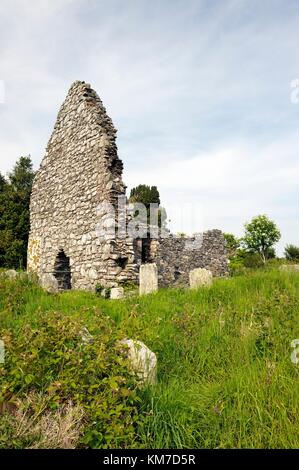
pixel 50 357
pixel 292 252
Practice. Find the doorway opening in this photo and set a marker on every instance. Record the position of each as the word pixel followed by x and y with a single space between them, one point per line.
pixel 142 250
pixel 62 271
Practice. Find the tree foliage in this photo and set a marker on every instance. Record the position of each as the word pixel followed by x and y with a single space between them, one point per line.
pixel 291 252
pixel 149 195
pixel 14 214
pixel 261 234
pixel 145 194
pixel 232 244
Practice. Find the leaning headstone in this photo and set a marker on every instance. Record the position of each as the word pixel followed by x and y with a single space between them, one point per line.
pixel 290 267
pixel 142 360
pixel 148 278
pixel 49 283
pixel 200 277
pixel 117 293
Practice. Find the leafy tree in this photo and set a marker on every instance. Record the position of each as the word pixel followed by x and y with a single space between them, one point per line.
pixel 291 252
pixel 232 244
pixel 260 236
pixel 14 214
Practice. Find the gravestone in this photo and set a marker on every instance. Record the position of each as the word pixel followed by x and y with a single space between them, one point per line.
pixel 142 360
pixel 200 277
pixel 117 293
pixel 148 278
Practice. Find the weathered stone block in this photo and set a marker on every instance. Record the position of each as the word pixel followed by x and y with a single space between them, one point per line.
pixel 117 293
pixel 49 283
pixel 200 277
pixel 142 360
pixel 86 336
pixel 148 278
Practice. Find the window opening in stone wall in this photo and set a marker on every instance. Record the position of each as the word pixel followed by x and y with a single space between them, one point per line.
pixel 142 250
pixel 122 262
pixel 146 250
pixel 177 273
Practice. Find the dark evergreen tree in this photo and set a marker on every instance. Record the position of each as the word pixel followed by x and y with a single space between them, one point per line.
pixel 14 214
pixel 148 195
pixel 145 194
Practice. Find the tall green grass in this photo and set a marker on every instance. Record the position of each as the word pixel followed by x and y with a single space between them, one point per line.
pixel 225 376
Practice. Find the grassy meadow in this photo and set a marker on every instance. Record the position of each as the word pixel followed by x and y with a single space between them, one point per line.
pixel 225 375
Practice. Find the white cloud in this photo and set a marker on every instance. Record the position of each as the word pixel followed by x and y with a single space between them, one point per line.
pixel 227 187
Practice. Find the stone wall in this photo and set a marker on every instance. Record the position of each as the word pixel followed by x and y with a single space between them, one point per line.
pixel 176 257
pixel 80 170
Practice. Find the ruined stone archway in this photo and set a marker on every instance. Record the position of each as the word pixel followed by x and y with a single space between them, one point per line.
pixel 62 271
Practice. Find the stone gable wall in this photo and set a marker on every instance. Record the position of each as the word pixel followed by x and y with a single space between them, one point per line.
pixel 80 170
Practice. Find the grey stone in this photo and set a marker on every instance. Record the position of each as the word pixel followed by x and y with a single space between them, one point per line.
pixel 148 278
pixel 86 336
pixel 200 277
pixel 142 360
pixel 290 267
pixel 49 283
pixel 117 293
pixel 11 274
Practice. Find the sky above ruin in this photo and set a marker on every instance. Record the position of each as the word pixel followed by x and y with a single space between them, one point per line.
pixel 199 90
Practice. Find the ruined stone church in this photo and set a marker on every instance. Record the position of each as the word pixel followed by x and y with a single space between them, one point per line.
pixel 80 171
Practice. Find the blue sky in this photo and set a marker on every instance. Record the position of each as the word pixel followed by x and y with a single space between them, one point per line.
pixel 199 91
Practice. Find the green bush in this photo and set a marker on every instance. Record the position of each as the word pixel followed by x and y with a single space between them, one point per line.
pixel 292 253
pixel 47 355
pixel 252 260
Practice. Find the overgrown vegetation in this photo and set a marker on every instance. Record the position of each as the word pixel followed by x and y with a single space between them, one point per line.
pixel 225 377
pixel 255 248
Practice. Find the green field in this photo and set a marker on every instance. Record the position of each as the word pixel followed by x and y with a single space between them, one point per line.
pixel 225 375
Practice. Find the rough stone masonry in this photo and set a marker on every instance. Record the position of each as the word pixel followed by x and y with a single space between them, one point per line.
pixel 80 171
